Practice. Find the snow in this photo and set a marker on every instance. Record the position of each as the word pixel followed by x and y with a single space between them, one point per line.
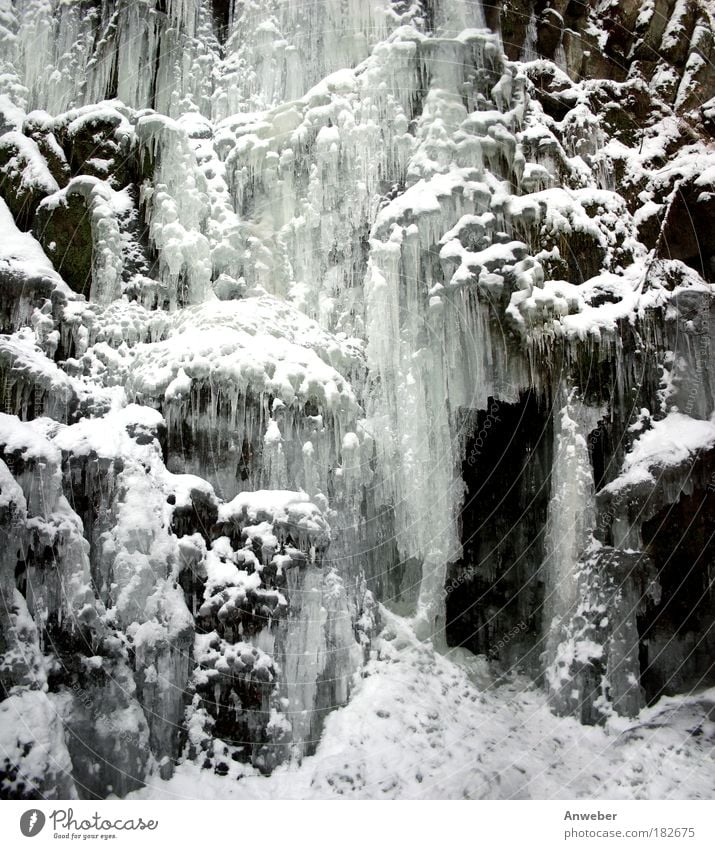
pixel 28 440
pixel 107 436
pixel 21 252
pixel 28 161
pixel 673 441
pixel 417 727
pixel 289 512
pixel 262 315
pixel 32 736
pixel 11 496
pixel 237 361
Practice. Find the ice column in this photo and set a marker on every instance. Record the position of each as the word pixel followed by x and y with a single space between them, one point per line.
pixel 570 649
pixel 411 429
pixel 453 16
pixel 176 210
pixel 571 516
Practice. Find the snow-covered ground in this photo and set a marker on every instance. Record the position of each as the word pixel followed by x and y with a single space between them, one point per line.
pixel 422 725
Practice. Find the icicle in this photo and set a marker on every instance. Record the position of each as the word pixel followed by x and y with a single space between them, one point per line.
pixel 36 48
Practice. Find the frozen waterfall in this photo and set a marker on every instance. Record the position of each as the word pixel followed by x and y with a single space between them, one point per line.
pixel 333 335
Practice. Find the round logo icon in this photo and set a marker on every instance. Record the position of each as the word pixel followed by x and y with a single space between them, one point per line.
pixel 32 822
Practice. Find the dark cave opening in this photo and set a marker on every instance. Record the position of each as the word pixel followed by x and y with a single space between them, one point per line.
pixel 495 592
pixel 677 636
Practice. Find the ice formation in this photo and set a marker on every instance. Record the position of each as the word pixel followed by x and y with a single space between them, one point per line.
pixel 317 315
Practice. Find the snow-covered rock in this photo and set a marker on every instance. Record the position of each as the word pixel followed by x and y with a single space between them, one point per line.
pixel 348 310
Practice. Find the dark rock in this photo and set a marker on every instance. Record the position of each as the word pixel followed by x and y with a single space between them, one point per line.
pixel 65 232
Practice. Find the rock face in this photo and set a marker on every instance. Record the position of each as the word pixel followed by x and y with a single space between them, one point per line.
pixel 297 329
